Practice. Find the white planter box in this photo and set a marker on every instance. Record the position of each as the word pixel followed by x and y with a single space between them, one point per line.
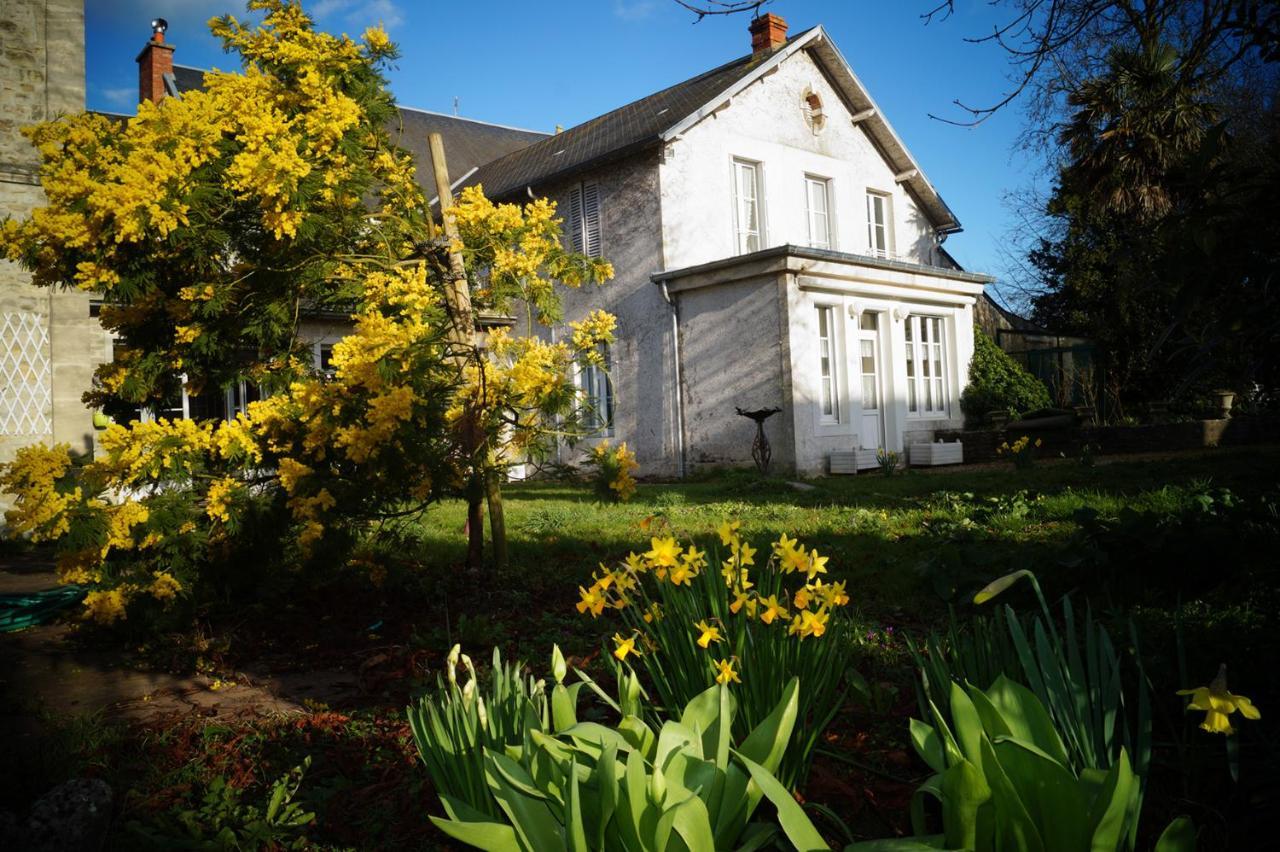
pixel 850 463
pixel 936 454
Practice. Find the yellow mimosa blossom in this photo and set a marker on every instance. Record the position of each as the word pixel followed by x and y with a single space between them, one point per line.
pixel 164 586
pixel 1218 704
pixel 708 633
pixel 106 607
pixel 725 672
pixel 624 646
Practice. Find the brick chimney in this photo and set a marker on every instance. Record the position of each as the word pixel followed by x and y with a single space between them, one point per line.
pixel 768 32
pixel 154 62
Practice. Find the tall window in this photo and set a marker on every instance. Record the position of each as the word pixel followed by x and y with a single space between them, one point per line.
pixel 746 203
pixel 878 224
pixel 324 359
pixel 829 391
pixel 869 324
pixel 926 390
pixel 584 219
pixel 597 394
pixel 817 197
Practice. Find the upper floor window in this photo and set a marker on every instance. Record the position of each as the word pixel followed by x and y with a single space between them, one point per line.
pixel 324 359
pixel 584 219
pixel 879 235
pixel 926 391
pixel 828 390
pixel 746 205
pixel 597 394
pixel 817 199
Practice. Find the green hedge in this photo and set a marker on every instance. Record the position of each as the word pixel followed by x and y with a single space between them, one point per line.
pixel 999 383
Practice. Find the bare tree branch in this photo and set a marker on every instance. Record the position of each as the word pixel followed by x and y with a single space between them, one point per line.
pixel 703 8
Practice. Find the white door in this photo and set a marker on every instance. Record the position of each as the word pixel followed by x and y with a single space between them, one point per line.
pixel 867 366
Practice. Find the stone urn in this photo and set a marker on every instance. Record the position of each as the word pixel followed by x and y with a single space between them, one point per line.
pixel 1222 400
pixel 998 419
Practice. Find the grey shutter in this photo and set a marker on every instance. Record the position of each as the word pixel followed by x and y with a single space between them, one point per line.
pixel 575 219
pixel 591 219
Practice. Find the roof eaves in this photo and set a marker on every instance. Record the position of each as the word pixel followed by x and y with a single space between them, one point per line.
pixel 884 134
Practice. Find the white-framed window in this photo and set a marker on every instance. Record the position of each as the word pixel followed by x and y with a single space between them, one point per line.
pixel 239 395
pixel 817 202
pixel 926 366
pixel 747 203
pixel 828 381
pixel 324 359
pixel 879 232
pixel 597 394
pixel 583 226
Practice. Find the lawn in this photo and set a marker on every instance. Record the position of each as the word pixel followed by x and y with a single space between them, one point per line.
pixel 1183 545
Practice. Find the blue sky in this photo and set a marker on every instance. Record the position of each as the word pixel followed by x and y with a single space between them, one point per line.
pixel 537 65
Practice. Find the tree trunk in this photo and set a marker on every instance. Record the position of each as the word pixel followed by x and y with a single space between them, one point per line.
pixel 497 521
pixel 475 522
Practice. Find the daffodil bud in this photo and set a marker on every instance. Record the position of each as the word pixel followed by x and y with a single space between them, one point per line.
pixel 559 668
pixel 452 661
pixel 484 716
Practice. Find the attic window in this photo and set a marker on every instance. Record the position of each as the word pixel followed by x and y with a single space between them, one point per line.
pixel 811 106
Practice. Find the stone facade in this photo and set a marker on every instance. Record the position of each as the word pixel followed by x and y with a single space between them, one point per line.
pixel 49 342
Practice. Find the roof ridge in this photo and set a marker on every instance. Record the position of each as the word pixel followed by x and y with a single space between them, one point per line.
pixel 472 120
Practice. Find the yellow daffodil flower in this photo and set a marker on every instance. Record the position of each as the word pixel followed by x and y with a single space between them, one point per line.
pixel 725 672
pixel 593 600
pixel 809 623
pixel 663 552
pixel 1218 704
pixel 745 553
pixel 817 564
pixel 625 646
pixel 772 609
pixel 783 544
pixel 709 634
pixel 681 574
pixel 803 597
pixel 728 531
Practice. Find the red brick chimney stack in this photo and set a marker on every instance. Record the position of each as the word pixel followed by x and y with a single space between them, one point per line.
pixel 768 32
pixel 155 60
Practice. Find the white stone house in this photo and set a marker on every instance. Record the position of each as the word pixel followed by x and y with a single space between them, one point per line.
pixel 776 245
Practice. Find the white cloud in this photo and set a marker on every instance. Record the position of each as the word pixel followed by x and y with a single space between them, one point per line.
pixel 633 10
pixel 123 97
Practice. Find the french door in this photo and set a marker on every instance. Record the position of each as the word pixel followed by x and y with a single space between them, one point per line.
pixel 868 368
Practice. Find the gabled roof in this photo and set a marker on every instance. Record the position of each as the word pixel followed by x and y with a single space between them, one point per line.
pixel 467 143
pixel 613 135
pixel 665 115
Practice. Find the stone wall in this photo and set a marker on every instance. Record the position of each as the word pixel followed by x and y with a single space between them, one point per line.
pixel 49 343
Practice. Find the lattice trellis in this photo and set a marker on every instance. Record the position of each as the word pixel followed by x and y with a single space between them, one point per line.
pixel 26 401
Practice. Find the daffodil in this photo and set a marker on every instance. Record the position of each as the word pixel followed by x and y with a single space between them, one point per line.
pixel 802 598
pixel 709 632
pixel 817 564
pixel 783 544
pixel 794 560
pixel 725 672
pixel 635 562
pixel 1218 704
pixel 772 609
pixel 728 532
pixel 592 601
pixel 625 646
pixel 681 574
pixel 663 552
pixel 809 623
pixel 744 553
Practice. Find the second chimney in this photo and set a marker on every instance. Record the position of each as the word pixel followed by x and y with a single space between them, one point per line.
pixel 155 62
pixel 768 32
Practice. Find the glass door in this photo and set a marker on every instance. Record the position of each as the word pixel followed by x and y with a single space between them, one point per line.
pixel 871 426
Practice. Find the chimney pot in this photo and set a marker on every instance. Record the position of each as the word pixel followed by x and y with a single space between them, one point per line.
pixel 768 32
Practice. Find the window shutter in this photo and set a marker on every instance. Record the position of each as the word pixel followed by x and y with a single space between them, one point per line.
pixel 591 219
pixel 575 219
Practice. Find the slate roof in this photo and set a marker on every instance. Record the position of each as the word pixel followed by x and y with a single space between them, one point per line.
pixel 467 143
pixel 611 136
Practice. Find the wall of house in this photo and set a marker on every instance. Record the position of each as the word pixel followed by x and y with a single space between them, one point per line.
pixel 766 123
pixel 816 438
pixel 734 349
pixel 49 344
pixel 642 369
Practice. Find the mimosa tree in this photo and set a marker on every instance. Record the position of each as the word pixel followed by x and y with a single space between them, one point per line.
pixel 208 225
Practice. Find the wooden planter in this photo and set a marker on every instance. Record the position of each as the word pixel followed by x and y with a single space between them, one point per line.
pixel 929 455
pixel 851 463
